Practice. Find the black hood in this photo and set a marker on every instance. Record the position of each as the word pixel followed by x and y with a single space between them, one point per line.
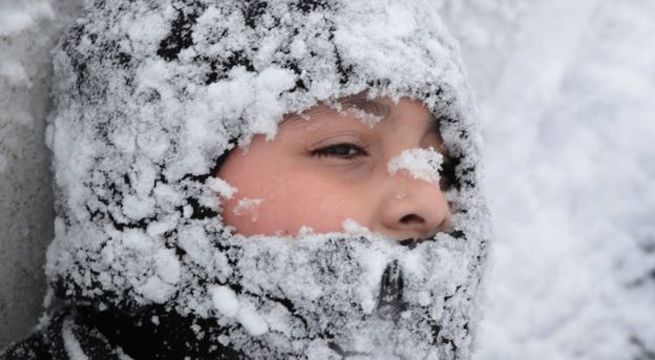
pixel 150 97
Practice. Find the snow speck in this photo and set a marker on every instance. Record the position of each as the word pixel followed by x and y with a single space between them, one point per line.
pixel 351 226
pixel 319 350
pixel 71 345
pixel 251 321
pixel 248 206
pixel 305 231
pixel 225 300
pixel 137 207
pixel 156 290
pixel 221 187
pixel 373 265
pixel 136 239
pixel 49 297
pixel 167 265
pixel 162 226
pixel 422 164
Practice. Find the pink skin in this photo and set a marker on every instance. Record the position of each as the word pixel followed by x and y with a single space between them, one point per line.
pixel 320 171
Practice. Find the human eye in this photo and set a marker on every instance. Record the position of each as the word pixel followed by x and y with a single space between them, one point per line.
pixel 346 151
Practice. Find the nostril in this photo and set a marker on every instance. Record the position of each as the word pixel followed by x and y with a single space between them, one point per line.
pixel 412 219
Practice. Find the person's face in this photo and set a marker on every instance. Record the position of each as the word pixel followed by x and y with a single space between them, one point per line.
pixel 329 166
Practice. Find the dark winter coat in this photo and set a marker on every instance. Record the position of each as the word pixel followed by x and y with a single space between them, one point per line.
pixel 84 333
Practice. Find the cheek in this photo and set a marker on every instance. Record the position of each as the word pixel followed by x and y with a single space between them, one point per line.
pixel 290 201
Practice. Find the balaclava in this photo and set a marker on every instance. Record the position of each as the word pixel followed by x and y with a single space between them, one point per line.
pixel 151 94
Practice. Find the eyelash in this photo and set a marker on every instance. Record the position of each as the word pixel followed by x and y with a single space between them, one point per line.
pixel 352 151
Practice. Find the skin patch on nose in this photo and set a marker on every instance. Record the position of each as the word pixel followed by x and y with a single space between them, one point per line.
pixel 422 164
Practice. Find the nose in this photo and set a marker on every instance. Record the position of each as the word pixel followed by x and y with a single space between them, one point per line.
pixel 413 209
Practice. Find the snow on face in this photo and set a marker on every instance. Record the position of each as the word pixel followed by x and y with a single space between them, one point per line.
pixel 221 187
pixel 422 164
pixel 150 94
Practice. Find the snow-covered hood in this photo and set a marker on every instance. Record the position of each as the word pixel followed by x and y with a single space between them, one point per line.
pixel 149 96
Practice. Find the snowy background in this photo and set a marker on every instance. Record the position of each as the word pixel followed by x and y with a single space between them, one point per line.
pixel 567 98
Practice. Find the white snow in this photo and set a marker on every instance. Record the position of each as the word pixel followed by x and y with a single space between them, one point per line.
pixel 71 344
pixel 225 300
pixel 422 164
pixel 138 240
pixel 156 290
pixel 251 321
pixel 162 226
pixel 138 207
pixel 351 226
pixel 319 350
pixel 167 266
pixel 221 187
pixel 248 206
pixel 570 173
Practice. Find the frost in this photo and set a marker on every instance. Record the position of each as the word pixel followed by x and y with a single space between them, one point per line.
pixel 422 164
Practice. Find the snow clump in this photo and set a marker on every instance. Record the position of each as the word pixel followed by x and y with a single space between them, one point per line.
pixel 422 164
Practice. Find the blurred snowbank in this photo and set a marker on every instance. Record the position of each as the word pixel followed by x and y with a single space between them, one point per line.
pixel 571 178
pixel 28 29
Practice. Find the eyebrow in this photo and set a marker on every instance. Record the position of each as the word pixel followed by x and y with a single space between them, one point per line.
pixel 358 101
pixel 370 106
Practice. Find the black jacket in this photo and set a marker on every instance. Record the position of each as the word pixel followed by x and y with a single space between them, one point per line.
pixel 152 334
